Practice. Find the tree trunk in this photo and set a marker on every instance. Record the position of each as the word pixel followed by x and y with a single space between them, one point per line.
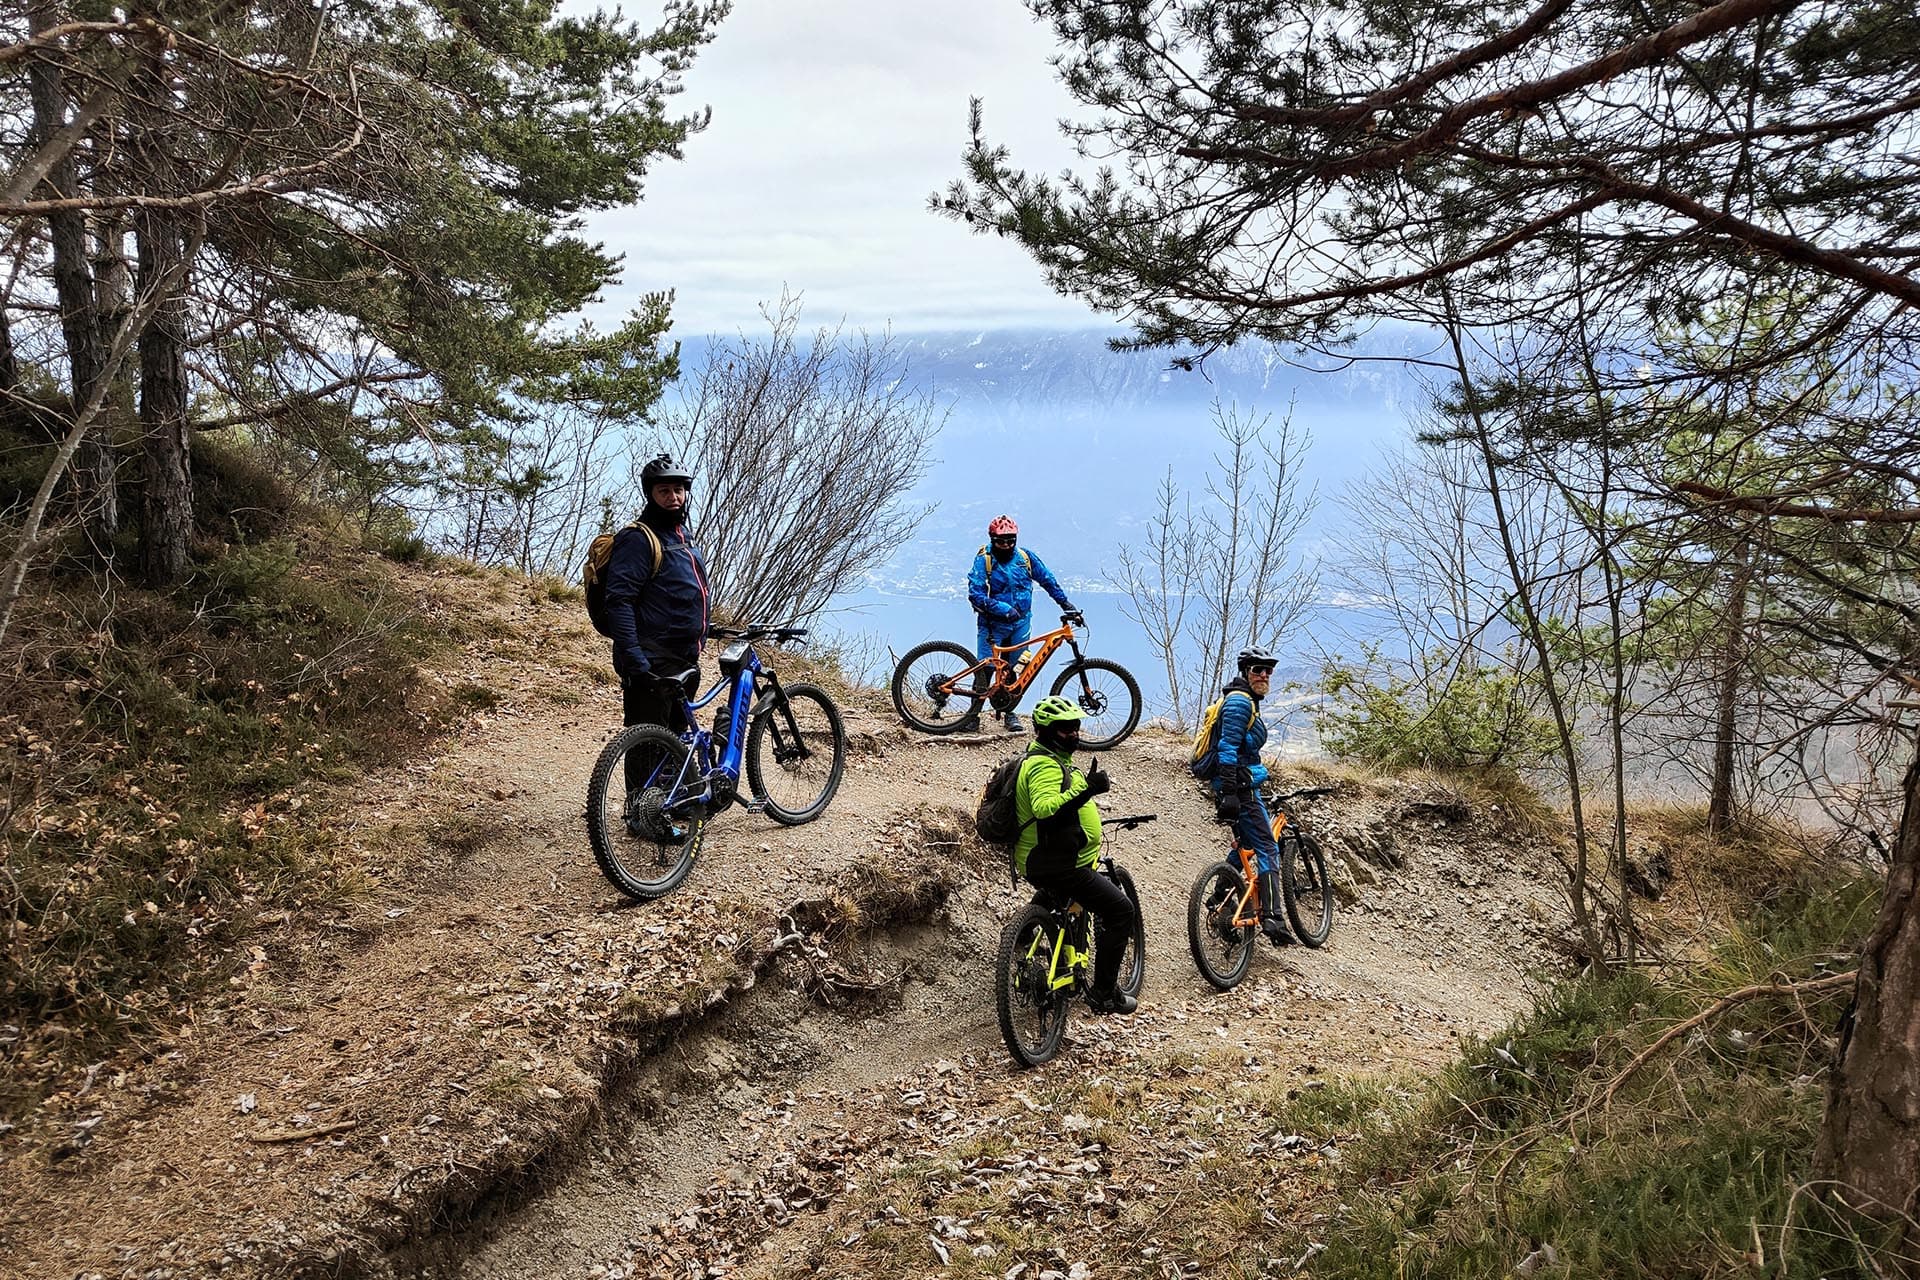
pixel 113 300
pixel 1870 1143
pixel 166 501
pixel 1732 664
pixel 94 464
pixel 9 370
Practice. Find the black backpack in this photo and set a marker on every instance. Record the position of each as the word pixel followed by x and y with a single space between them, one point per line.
pixel 995 817
pixel 593 574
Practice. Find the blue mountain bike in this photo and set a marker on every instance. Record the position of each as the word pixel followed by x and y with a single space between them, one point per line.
pixel 653 790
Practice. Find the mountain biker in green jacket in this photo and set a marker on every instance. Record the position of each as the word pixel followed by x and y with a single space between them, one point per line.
pixel 1059 844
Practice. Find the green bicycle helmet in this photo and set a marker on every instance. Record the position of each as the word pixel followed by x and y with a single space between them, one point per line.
pixel 1056 724
pixel 1053 710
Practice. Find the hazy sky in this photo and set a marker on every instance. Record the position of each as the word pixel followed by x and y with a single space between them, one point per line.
pixel 832 122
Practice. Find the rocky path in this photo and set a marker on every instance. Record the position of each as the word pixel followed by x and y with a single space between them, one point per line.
pixel 489 1065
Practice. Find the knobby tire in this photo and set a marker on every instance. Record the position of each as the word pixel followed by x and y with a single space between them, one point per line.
pixel 1032 1022
pixel 644 864
pixel 1222 952
pixel 936 658
pixel 1307 890
pixel 821 731
pixel 1133 957
pixel 1105 726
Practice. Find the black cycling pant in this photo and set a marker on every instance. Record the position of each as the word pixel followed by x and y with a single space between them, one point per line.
pixel 645 699
pixel 1112 910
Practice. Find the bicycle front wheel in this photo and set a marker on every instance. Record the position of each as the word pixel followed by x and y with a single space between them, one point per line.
pixel 1108 697
pixel 796 752
pixel 1133 955
pixel 642 851
pixel 1033 1016
pixel 919 692
pixel 1307 889
pixel 1222 950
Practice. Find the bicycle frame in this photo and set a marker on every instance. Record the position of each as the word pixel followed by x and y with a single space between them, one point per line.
pixel 1063 949
pixel 1242 916
pixel 1074 922
pixel 1044 646
pixel 700 767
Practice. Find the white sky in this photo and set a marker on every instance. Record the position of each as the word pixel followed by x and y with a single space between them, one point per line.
pixel 832 122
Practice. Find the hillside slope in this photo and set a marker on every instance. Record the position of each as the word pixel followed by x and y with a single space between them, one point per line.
pixel 489 1063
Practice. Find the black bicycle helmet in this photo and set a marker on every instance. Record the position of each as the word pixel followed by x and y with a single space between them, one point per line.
pixel 1248 657
pixel 664 470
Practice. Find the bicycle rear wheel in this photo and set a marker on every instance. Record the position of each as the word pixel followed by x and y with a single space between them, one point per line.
pixel 642 851
pixel 796 752
pixel 1307 889
pixel 917 687
pixel 1222 950
pixel 1133 956
pixel 1033 1017
pixel 1108 697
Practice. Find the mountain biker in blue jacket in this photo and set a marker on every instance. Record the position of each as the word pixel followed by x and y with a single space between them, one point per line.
pixel 658 616
pixel 1000 588
pixel 1058 848
pixel 1238 775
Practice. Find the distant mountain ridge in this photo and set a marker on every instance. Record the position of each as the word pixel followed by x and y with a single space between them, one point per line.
pixel 1010 377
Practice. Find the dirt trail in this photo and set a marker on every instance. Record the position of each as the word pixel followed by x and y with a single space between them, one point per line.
pixel 452 1039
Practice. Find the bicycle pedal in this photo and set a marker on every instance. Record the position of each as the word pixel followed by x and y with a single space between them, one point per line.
pixel 754 806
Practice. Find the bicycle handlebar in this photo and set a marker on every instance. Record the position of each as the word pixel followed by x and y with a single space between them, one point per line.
pixel 1129 823
pixel 759 631
pixel 1305 793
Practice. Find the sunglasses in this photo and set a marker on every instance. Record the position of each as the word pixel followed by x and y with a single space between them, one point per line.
pixel 1006 539
pixel 1259 671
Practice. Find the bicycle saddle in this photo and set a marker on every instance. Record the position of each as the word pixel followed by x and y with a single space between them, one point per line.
pixel 1052 899
pixel 688 680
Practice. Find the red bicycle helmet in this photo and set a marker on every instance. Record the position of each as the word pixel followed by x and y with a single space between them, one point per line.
pixel 1002 525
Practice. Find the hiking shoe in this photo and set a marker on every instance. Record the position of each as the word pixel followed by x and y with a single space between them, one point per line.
pixel 1012 722
pixel 969 723
pixel 1112 1000
pixel 1277 932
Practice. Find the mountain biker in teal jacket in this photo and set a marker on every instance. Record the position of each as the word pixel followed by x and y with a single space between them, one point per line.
pixel 1237 777
pixel 1059 844
pixel 1000 588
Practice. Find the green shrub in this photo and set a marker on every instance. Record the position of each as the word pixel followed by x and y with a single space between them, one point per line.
pixel 1695 1167
pixel 1478 717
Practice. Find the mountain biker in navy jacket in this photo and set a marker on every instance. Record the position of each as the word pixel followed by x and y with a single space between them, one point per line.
pixel 658 618
pixel 1238 774
pixel 1000 588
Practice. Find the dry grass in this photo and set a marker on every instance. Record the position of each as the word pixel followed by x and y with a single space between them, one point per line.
pixel 160 795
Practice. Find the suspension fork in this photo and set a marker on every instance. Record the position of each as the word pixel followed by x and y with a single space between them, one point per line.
pixel 1073 643
pixel 786 729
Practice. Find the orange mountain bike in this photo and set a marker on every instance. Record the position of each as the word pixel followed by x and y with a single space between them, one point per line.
pixel 939 686
pixel 1223 911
